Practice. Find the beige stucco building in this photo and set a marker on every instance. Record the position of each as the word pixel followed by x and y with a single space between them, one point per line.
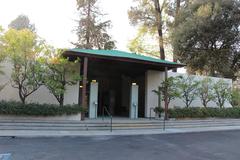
pixel 117 81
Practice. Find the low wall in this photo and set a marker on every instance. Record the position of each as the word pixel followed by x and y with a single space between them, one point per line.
pixel 75 117
pixel 41 96
pixel 197 102
pixel 155 78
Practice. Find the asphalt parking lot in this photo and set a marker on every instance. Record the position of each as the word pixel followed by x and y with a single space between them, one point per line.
pixel 222 145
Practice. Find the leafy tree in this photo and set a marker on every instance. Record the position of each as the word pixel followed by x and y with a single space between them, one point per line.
pixel 59 72
pixel 2 58
pixel 222 93
pixel 173 9
pixel 158 92
pixel 2 55
pixel 141 43
pixel 149 14
pixel 205 91
pixel 22 22
pixel 187 88
pixel 23 48
pixel 92 32
pixel 206 37
pixel 169 85
pixel 234 97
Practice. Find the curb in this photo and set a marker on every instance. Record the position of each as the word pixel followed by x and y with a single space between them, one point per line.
pixel 59 134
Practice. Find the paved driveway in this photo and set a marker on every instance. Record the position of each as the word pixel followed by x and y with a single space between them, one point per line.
pixel 190 146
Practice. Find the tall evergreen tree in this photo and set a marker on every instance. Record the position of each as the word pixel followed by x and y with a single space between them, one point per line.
pixel 92 31
pixel 22 22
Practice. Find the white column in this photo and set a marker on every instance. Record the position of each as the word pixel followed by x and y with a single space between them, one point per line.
pixel 133 114
pixel 93 100
pixel 153 80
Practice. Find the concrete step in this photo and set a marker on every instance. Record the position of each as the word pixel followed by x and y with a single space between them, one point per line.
pixel 51 124
pixel 117 124
pixel 107 127
pixel 125 121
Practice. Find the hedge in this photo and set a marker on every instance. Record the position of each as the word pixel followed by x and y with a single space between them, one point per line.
pixel 33 109
pixel 201 112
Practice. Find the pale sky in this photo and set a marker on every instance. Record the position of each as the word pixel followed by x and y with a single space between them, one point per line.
pixel 55 19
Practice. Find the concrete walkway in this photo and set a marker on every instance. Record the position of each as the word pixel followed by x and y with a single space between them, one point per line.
pixel 29 133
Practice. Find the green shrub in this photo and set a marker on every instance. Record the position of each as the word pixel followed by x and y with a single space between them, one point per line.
pixel 234 98
pixel 203 112
pixel 158 110
pixel 33 109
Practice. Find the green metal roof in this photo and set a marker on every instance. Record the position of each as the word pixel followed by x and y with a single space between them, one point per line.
pixel 122 54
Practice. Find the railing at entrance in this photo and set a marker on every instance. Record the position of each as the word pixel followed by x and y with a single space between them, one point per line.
pixel 164 118
pixel 109 115
pixel 151 111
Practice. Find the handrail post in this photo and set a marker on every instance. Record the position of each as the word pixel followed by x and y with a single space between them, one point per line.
pixel 164 123
pixel 103 113
pixel 111 125
pixel 151 110
pixel 109 115
pixel 150 114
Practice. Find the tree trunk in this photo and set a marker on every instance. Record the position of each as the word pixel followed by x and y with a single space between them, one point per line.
pixel 88 26
pixel 187 103
pixel 205 104
pixel 61 100
pixel 176 15
pixel 22 97
pixel 177 7
pixel 159 28
pixel 187 3
pixel 159 97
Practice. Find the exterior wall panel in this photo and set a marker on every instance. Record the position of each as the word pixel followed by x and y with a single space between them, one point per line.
pixel 155 78
pixel 42 95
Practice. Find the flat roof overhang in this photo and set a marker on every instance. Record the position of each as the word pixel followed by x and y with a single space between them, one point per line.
pixel 131 62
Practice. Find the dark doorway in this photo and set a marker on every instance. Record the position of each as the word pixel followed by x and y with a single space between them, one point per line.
pixel 109 95
pixel 114 83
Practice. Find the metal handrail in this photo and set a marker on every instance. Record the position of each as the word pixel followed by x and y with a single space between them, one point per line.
pixel 151 109
pixel 109 114
pixel 164 122
pixel 164 118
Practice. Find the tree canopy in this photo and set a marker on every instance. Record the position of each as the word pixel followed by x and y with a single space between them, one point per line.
pixel 92 30
pixel 22 22
pixel 148 14
pixel 207 37
pixel 58 72
pixel 23 47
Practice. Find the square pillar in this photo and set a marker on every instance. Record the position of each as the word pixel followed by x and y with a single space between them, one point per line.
pixel 133 111
pixel 93 100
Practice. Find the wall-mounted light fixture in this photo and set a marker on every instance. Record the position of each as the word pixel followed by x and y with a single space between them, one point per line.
pixel 134 84
pixel 80 86
pixel 94 81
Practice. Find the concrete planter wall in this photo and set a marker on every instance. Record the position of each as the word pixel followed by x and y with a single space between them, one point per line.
pixel 75 117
